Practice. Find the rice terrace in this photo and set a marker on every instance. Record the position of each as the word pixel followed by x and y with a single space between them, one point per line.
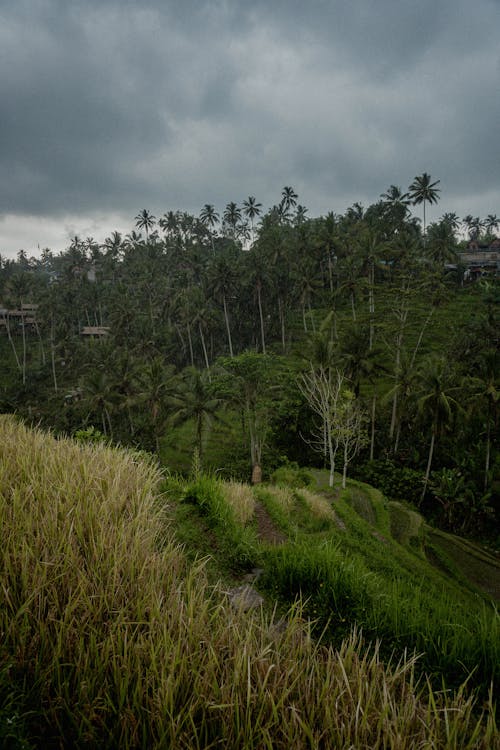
pixel 249 482
pixel 116 635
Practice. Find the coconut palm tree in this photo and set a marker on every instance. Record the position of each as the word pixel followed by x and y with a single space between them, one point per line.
pixel 467 222
pixel 145 220
pixel 209 216
pixel 395 203
pixel 435 403
pixel 259 278
pixel 231 218
pixel 476 225
pixel 451 219
pixel 423 190
pixel 491 223
pixel 194 399
pixel 251 209
pixel 169 222
pixel 485 385
pixel 98 396
pixel 288 200
pixel 300 214
pixel 158 383
pixel 441 243
pixel 222 282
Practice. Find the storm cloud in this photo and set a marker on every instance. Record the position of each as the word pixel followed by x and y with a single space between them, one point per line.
pixel 109 107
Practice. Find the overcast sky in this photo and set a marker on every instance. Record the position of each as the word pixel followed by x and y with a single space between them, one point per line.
pixel 111 106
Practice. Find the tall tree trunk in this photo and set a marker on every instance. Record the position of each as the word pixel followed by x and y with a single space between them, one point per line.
pixel 372 436
pixel 311 315
pixel 371 303
pixel 259 300
pixel 330 272
pixel 402 314
pixel 488 451
pixel 353 307
pixel 205 353
pixel 23 322
pixel 420 336
pixel 281 312
pixel 429 464
pixel 226 317
pixel 398 433
pixel 11 340
pixel 42 348
pixel 52 352
pixel 190 342
pixel 344 470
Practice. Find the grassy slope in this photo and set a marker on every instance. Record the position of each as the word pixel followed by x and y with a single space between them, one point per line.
pixel 364 563
pixel 110 638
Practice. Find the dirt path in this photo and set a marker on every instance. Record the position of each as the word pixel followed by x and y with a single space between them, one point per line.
pixel 266 528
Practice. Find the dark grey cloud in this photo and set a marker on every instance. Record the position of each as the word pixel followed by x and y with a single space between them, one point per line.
pixel 111 105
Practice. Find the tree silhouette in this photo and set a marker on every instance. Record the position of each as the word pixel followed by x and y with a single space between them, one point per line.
pixel 251 209
pixel 195 399
pixel 436 403
pixel 423 190
pixel 145 220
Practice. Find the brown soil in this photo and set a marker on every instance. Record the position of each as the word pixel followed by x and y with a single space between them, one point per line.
pixel 266 528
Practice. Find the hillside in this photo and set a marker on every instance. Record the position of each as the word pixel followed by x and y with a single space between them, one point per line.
pixel 115 636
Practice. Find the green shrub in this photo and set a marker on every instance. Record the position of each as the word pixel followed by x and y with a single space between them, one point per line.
pixel 396 482
pixel 292 475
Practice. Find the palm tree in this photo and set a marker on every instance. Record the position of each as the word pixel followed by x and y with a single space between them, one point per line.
pixel 251 209
pixel 475 227
pixel 485 385
pixel 422 190
pixel 259 277
pixel 113 244
pixel 451 219
pixel 145 220
pixel 98 396
pixel 442 245
pixel 194 399
pixel 222 280
pixel 169 222
pixel 491 223
pixel 158 383
pixel 231 217
pixel 288 200
pixel 209 216
pixel 467 222
pixel 300 214
pixel 396 203
pixel 436 403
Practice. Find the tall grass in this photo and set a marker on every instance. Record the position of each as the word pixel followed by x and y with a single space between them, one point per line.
pixel 456 641
pixel 317 505
pixel 111 640
pixel 241 499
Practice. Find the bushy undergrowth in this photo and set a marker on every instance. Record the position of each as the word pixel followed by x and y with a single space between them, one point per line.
pixel 292 475
pixel 396 482
pixel 111 640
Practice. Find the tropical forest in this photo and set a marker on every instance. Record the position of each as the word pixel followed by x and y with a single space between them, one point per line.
pixel 250 479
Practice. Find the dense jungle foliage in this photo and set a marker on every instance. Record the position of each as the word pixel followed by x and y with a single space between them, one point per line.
pixel 194 335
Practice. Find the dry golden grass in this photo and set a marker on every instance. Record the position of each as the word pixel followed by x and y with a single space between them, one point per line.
pixel 111 639
pixel 241 500
pixel 283 496
pixel 318 505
